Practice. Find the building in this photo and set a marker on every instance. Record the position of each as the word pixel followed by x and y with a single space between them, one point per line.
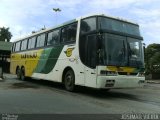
pixel 5 51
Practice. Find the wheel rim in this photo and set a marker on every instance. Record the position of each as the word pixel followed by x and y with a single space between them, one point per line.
pixel 18 73
pixel 22 74
pixel 69 81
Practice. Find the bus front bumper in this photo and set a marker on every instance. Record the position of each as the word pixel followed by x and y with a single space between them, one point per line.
pixel 107 82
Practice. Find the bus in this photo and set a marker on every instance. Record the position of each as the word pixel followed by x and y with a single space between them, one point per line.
pixel 96 51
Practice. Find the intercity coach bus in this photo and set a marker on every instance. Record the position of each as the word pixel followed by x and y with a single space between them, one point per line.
pixel 96 51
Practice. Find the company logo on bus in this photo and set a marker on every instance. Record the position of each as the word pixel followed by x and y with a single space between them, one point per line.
pixel 33 55
pixel 68 52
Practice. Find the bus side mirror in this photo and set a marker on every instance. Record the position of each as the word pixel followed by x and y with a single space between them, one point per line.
pixel 144 47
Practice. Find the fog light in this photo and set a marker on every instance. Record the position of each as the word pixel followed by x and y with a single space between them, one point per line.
pixel 110 83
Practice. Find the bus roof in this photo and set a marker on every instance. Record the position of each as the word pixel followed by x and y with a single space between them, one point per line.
pixel 45 30
pixel 74 20
pixel 112 17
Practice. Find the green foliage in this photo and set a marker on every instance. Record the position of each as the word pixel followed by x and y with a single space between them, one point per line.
pixel 5 34
pixel 152 58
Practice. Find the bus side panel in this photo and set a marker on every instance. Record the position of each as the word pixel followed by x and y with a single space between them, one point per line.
pixel 63 61
pixel 28 60
pixel 13 67
pixel 70 58
pixel 15 62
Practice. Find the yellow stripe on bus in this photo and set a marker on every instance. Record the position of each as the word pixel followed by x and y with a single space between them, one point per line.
pixel 120 69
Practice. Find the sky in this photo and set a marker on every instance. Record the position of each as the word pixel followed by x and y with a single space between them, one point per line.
pixel 25 16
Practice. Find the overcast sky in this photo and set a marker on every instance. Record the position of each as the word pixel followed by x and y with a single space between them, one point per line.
pixel 25 16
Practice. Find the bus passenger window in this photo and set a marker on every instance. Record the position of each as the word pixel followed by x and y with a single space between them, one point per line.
pixel 69 33
pixel 53 37
pixel 31 43
pixel 40 40
pixel 88 25
pixel 17 48
pixel 24 45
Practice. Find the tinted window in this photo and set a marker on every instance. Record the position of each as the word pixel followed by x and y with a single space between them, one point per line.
pixel 69 33
pixel 91 51
pixel 135 52
pixel 88 25
pixel 40 40
pixel 31 43
pixel 17 48
pixel 119 26
pixel 53 37
pixel 24 45
pixel 115 50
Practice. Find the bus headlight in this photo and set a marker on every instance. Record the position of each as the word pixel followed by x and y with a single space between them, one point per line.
pixel 108 73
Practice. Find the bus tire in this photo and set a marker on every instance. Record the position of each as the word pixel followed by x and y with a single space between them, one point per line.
pixel 105 90
pixel 18 73
pixel 22 77
pixel 69 80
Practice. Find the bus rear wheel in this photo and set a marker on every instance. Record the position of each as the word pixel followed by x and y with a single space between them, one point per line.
pixel 18 73
pixel 22 77
pixel 69 80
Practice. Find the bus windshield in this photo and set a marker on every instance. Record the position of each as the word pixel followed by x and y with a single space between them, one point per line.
pixel 120 51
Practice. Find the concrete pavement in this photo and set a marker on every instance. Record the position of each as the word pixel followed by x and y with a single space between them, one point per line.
pixel 43 97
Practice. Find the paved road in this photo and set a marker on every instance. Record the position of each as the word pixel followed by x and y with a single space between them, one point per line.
pixel 45 97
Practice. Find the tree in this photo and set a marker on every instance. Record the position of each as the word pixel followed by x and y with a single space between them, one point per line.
pixel 152 59
pixel 5 34
pixel 155 63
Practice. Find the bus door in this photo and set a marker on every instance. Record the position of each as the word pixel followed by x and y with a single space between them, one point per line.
pixel 91 55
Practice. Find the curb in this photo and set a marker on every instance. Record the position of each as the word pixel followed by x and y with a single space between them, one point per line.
pixel 153 82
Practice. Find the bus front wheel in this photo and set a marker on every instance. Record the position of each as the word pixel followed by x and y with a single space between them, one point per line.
pixel 69 80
